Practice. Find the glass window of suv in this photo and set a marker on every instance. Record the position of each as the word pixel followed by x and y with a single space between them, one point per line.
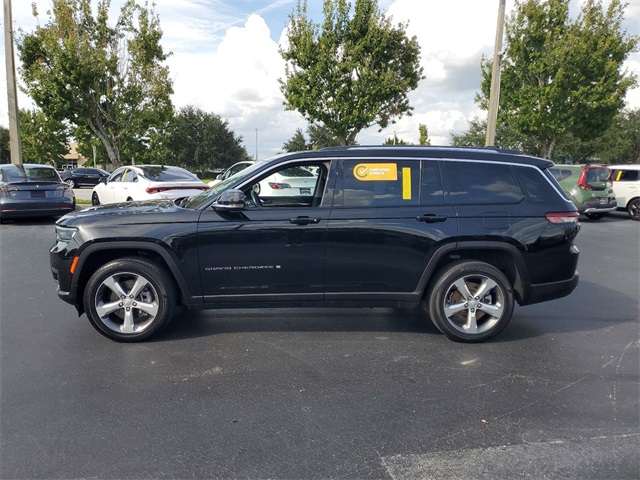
pixel 380 183
pixel 297 185
pixel 482 183
pixel 432 191
pixel 626 175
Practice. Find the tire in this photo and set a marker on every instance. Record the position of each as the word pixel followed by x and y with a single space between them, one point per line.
pixel 71 182
pixel 456 316
pixel 594 216
pixel 95 199
pixel 633 209
pixel 129 299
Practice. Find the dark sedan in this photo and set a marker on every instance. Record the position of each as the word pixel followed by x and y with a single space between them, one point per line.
pixel 34 190
pixel 83 177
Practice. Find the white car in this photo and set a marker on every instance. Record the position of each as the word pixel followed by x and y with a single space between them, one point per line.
pixel 146 182
pixel 626 186
pixel 290 182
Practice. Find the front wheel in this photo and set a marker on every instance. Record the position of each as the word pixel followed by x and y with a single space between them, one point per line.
pixel 594 216
pixel 95 200
pixel 470 301
pixel 129 299
pixel 634 209
pixel 71 182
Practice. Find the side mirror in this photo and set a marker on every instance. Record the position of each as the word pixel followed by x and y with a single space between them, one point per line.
pixel 219 177
pixel 231 201
pixel 103 180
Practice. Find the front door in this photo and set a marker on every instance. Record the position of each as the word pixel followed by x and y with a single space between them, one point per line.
pixel 274 249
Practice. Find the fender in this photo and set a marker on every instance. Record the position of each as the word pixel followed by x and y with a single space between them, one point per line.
pixel 452 249
pixel 186 294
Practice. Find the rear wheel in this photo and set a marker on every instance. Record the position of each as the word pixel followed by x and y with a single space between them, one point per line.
pixel 470 301
pixel 634 209
pixel 129 299
pixel 594 216
pixel 95 200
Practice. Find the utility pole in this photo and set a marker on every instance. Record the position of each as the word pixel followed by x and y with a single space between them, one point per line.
pixel 12 93
pixel 494 95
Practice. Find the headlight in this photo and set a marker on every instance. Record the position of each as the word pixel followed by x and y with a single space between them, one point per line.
pixel 65 234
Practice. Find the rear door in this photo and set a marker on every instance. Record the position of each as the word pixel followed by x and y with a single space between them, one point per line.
pixel 388 219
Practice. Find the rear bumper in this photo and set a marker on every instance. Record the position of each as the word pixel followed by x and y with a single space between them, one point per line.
pixel 543 292
pixel 36 208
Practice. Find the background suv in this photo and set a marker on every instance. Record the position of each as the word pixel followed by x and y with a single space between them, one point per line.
pixel 465 232
pixel 589 188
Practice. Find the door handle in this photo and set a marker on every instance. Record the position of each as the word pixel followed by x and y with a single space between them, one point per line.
pixel 304 220
pixel 431 218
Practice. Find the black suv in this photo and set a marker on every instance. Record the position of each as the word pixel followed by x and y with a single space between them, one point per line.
pixel 466 232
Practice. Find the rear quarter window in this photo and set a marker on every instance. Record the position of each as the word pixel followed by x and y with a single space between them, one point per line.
pixel 481 183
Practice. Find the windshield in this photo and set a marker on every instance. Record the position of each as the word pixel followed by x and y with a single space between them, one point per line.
pixel 198 200
pixel 167 174
pixel 32 174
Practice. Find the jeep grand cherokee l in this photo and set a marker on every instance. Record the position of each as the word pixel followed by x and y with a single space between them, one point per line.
pixel 467 232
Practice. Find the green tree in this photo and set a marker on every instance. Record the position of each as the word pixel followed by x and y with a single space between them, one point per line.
pixel 319 137
pixel 424 135
pixel 621 142
pixel 109 80
pixel 351 72
pixel 560 75
pixel 44 139
pixel 395 141
pixel 5 152
pixel 297 143
pixel 199 140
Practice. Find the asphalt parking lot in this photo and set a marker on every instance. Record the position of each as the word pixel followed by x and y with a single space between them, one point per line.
pixel 293 393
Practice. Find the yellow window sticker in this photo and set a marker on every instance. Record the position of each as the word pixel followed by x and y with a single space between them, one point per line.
pixel 375 172
pixel 406 183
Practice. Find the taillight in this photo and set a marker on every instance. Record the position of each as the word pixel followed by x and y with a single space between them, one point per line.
pixel 565 217
pixel 279 186
pixel 582 181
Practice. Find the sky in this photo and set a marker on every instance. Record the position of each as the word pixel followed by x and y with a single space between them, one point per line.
pixel 225 60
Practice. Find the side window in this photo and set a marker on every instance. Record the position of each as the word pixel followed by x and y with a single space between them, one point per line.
pixel 481 182
pixel 116 176
pixel 381 183
pixel 298 185
pixel 626 175
pixel 432 192
pixel 80 171
pixel 129 176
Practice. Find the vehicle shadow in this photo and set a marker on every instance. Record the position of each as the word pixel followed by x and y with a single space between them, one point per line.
pixel 201 323
pixel 582 311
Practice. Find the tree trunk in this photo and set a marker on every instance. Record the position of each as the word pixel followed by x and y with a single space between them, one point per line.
pixel 111 147
pixel 546 147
